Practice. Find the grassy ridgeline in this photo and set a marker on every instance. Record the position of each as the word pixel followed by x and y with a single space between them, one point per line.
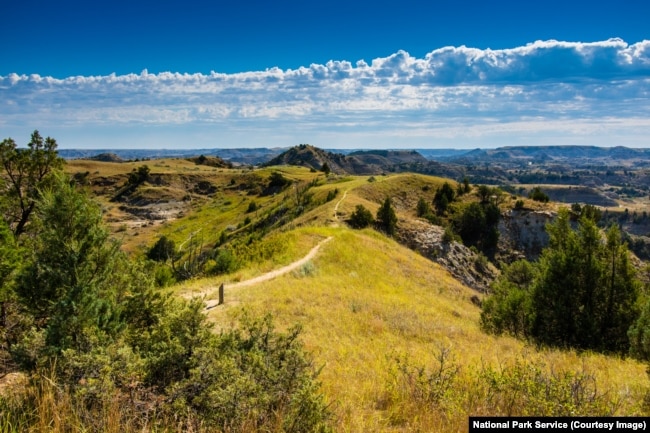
pixel 384 322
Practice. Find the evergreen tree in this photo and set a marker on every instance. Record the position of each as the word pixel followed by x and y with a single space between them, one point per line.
pixel 443 197
pixel 386 218
pixel 28 171
pixel 68 284
pixel 583 295
pixel 163 250
pixel 484 193
pixel 556 292
pixel 538 195
pixel 639 334
pixel 477 225
pixel 361 217
pixel 466 187
pixel 326 168
pixel 9 263
pixel 8 259
pixel 621 291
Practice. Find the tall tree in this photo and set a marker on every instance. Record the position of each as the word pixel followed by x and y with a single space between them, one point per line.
pixel 386 217
pixel 70 283
pixel 477 225
pixel 584 293
pixel 621 291
pixel 443 197
pixel 27 171
pixel 556 292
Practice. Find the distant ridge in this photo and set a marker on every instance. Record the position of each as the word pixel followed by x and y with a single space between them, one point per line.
pixel 106 157
pixel 543 154
pixel 243 156
pixel 358 162
pixel 211 161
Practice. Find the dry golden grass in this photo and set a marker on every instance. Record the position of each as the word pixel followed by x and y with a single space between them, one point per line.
pixel 366 301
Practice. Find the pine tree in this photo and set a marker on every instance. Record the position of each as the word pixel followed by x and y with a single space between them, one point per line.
pixel 443 197
pixel 423 208
pixel 621 291
pixel 586 291
pixel 69 285
pixel 28 171
pixel 555 291
pixel 386 218
pixel 326 168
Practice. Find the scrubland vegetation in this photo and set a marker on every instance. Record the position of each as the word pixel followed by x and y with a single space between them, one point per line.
pixel 97 334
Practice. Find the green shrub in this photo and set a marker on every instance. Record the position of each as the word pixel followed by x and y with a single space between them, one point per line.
pixel 277 180
pixel 361 217
pixel 164 276
pixel 538 195
pixel 248 378
pixel 225 262
pixel 450 236
pixel 331 194
pixel 540 392
pixel 520 388
pixel 508 308
pixel 423 207
pixel 163 250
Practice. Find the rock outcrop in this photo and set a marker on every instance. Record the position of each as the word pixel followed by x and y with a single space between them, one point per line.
pixel 523 233
pixel 470 268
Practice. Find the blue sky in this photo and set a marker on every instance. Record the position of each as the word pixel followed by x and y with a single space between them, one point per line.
pixel 404 74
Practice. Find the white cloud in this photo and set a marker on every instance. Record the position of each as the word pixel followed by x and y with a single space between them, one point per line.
pixel 453 93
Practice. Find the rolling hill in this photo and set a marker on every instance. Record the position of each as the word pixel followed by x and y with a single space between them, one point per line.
pixel 396 333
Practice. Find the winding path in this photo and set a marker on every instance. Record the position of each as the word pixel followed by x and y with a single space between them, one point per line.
pixel 336 208
pixel 264 277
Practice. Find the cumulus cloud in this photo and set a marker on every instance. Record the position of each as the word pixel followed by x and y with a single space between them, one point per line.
pixel 450 90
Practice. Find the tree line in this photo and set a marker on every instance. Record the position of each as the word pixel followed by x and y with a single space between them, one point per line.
pixel 582 293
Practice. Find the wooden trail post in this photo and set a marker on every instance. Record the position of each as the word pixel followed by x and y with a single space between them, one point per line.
pixel 220 294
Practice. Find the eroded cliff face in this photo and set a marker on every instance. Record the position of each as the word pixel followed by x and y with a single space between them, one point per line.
pixel 523 233
pixel 464 264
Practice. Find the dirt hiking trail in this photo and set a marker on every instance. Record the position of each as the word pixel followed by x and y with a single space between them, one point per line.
pixel 264 277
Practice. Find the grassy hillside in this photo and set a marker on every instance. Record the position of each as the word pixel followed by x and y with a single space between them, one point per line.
pixel 396 335
pixel 371 310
